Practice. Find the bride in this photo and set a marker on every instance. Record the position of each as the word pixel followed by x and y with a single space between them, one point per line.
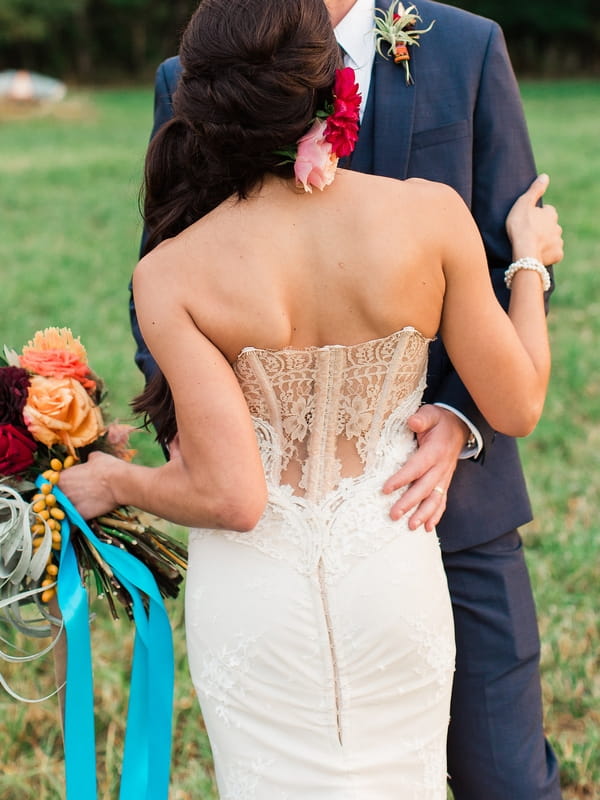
pixel 292 326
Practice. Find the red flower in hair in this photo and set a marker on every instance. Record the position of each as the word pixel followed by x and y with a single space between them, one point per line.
pixel 333 134
pixel 342 125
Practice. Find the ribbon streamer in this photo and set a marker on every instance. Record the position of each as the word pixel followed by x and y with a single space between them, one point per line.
pixel 147 751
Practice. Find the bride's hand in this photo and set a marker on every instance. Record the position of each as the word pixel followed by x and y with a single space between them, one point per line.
pixel 534 231
pixel 87 487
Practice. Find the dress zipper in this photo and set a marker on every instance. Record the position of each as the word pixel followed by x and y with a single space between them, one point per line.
pixel 334 664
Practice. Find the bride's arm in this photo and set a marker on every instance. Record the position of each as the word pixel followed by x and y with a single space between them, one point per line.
pixel 434 462
pixel 507 382
pixel 215 478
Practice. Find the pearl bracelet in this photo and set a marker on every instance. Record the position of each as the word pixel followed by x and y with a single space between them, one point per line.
pixel 527 263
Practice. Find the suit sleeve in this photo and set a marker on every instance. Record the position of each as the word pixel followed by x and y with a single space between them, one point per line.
pixel 163 111
pixel 503 167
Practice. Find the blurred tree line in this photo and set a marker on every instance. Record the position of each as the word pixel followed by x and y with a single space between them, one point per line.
pixel 546 37
pixel 95 41
pixel 91 41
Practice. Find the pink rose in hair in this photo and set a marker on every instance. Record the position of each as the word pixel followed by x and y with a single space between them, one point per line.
pixel 315 162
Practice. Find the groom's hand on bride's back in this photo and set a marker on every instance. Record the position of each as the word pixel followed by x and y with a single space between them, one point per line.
pixel 441 437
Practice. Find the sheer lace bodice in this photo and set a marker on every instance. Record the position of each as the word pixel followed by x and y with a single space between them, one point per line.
pixel 320 412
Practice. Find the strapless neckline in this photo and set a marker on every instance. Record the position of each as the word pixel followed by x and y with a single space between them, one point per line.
pixel 407 329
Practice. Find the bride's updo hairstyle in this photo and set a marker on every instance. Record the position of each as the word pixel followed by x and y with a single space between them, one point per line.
pixel 254 74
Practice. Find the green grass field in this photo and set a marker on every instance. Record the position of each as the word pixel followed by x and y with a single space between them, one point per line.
pixel 69 237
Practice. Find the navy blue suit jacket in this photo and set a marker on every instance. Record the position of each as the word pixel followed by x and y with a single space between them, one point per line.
pixel 461 122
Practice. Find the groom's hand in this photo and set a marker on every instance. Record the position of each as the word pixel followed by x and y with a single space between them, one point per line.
pixel 441 436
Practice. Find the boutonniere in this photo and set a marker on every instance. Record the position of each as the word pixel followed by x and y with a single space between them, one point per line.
pixel 397 28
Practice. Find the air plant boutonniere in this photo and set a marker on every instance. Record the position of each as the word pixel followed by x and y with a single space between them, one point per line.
pixel 395 31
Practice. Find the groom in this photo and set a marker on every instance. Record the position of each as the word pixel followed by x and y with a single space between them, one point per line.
pixel 461 123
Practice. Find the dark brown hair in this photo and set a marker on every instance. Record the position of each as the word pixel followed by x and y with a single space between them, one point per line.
pixel 157 406
pixel 254 72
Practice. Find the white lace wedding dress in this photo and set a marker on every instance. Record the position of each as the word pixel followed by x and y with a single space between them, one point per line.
pixel 321 643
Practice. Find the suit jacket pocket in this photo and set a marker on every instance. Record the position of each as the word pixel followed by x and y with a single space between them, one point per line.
pixel 446 133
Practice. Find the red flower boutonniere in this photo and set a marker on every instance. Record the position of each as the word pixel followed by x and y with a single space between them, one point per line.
pixel 396 27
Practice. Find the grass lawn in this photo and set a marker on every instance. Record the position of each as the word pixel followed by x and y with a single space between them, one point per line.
pixel 70 230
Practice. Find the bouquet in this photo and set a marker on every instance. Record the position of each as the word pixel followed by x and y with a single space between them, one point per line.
pixel 51 559
pixel 51 416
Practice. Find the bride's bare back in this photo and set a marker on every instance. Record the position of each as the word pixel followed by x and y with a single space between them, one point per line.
pixel 288 269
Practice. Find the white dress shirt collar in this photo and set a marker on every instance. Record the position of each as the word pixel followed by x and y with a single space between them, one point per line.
pixel 355 33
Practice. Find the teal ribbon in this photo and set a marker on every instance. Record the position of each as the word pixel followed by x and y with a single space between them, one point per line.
pixel 147 751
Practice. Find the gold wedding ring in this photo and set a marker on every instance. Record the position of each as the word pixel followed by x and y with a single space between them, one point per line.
pixel 439 490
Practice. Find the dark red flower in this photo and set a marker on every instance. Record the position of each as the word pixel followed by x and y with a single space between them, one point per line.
pixel 14 384
pixel 342 124
pixel 17 449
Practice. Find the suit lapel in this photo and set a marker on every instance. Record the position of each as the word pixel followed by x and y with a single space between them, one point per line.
pixel 394 116
pixel 361 159
pixel 383 146
pixel 394 109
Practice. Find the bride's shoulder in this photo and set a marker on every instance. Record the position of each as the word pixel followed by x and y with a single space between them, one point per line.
pixel 163 268
pixel 156 259
pixel 171 253
pixel 416 193
pixel 431 191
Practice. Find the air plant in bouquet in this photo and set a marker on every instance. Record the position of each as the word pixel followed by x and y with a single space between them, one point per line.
pixel 51 416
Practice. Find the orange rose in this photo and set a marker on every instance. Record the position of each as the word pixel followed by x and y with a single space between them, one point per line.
pixel 60 411
pixel 56 353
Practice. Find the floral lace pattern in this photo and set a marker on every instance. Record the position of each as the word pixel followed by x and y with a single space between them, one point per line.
pixel 220 672
pixel 241 781
pixel 312 398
